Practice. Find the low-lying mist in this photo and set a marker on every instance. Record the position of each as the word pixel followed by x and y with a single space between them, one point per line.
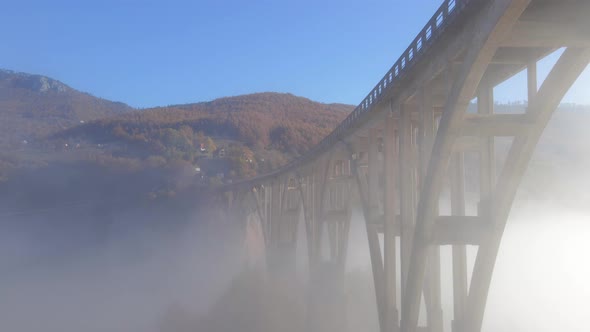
pixel 142 269
pixel 541 278
pixel 156 270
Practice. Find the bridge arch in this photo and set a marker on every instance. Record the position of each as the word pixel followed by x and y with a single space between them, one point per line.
pixel 407 140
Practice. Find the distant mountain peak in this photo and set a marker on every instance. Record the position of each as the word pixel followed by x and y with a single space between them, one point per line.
pixel 35 83
pixel 35 105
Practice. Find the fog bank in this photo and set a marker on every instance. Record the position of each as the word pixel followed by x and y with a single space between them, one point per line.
pixel 129 282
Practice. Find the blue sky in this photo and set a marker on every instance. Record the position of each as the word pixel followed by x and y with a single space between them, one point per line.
pixel 146 53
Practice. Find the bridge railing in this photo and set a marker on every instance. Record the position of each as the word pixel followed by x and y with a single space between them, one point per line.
pixel 441 19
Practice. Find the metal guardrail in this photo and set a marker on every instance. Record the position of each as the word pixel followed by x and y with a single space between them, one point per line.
pixel 445 15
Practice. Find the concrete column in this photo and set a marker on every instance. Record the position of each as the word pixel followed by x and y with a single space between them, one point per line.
pixel 532 81
pixel 459 251
pixel 371 215
pixel 280 250
pixel 432 289
pixel 407 190
pixel 389 245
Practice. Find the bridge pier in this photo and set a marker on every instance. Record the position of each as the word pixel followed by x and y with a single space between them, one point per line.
pixel 390 155
pixel 284 210
pixel 323 194
pixel 327 300
pixel 281 260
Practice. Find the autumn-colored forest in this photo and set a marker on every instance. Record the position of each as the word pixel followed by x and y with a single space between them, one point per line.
pixel 257 132
pixel 48 127
pixel 265 120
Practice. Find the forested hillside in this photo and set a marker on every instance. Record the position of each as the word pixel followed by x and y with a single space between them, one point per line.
pixel 47 126
pixel 266 120
pixel 32 106
pixel 236 136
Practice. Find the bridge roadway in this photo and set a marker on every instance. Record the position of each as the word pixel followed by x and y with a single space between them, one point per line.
pixel 403 153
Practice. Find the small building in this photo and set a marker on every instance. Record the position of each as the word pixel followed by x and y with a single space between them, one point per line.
pixel 220 152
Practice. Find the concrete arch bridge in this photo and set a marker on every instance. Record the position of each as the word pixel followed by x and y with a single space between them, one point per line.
pixel 401 155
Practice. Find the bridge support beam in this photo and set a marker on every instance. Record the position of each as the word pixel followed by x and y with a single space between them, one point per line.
pixel 541 107
pixel 389 236
pixel 432 288
pixel 500 17
pixel 327 207
pixel 326 311
pixel 407 187
pixel 363 185
pixel 459 252
pixel 281 218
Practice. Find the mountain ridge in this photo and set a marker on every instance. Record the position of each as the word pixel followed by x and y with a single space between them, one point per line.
pixel 262 121
pixel 46 121
pixel 35 106
pixel 32 106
